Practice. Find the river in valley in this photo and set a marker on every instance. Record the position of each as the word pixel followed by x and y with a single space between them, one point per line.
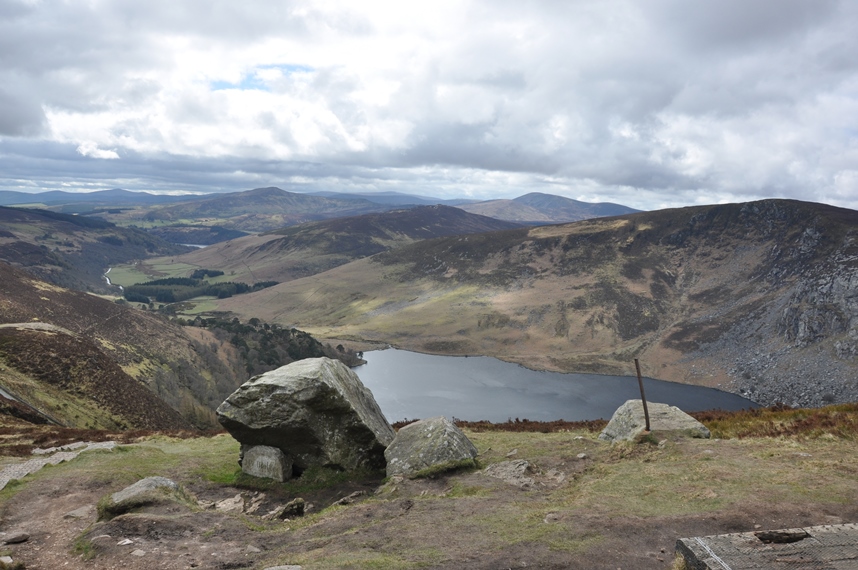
pixel 409 385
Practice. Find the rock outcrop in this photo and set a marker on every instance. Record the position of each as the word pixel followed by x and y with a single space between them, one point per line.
pixel 434 443
pixel 516 472
pixel 628 422
pixel 145 492
pixel 316 411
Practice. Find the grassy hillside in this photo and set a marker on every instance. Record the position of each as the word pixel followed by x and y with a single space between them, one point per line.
pixel 754 298
pixel 68 379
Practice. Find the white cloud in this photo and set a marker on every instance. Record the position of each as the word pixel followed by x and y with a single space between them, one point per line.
pixel 665 102
pixel 91 150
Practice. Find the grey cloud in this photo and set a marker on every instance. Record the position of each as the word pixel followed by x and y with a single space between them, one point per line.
pixel 739 24
pixel 19 114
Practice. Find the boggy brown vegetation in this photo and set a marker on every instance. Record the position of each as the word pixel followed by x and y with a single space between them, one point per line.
pixel 783 421
pixel 839 421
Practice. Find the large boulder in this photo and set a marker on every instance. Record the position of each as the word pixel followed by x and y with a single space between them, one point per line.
pixel 434 444
pixel 316 411
pixel 629 422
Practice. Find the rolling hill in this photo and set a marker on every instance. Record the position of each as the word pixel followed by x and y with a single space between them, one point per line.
pixel 311 248
pixel 72 251
pixel 395 198
pixel 754 298
pixel 90 200
pixel 538 209
pixel 259 210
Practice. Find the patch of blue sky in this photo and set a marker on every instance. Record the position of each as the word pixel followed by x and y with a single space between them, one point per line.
pixel 247 83
pixel 254 80
pixel 288 68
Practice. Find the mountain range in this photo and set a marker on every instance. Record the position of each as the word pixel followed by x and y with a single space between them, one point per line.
pixel 754 298
pixel 211 218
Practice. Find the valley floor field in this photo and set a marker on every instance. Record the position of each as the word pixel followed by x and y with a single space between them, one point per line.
pixel 587 504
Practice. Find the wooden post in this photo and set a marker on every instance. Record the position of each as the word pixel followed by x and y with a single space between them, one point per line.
pixel 643 396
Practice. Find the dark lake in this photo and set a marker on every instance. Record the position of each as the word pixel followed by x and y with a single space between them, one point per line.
pixel 409 385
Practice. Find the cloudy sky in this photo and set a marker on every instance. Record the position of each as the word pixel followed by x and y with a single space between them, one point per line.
pixel 649 103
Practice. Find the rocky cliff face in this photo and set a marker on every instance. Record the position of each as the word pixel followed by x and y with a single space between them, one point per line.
pixel 798 341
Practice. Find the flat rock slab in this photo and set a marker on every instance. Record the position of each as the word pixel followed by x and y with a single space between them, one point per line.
pixel 514 472
pixel 828 547
pixel 629 421
pixel 143 493
pixel 54 456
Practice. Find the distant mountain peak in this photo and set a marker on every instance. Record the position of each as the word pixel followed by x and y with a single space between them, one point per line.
pixel 267 191
pixel 541 208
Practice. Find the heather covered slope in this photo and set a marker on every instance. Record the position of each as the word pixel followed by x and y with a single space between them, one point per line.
pixel 191 368
pixel 311 248
pixel 180 368
pixel 70 380
pixel 756 298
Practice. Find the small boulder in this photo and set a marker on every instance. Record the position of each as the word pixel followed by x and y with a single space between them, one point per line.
pixel 16 538
pixel 81 513
pixel 148 491
pixel 316 411
pixel 432 444
pixel 266 462
pixel 628 422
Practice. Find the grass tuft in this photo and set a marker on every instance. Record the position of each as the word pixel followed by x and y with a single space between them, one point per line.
pixel 84 548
